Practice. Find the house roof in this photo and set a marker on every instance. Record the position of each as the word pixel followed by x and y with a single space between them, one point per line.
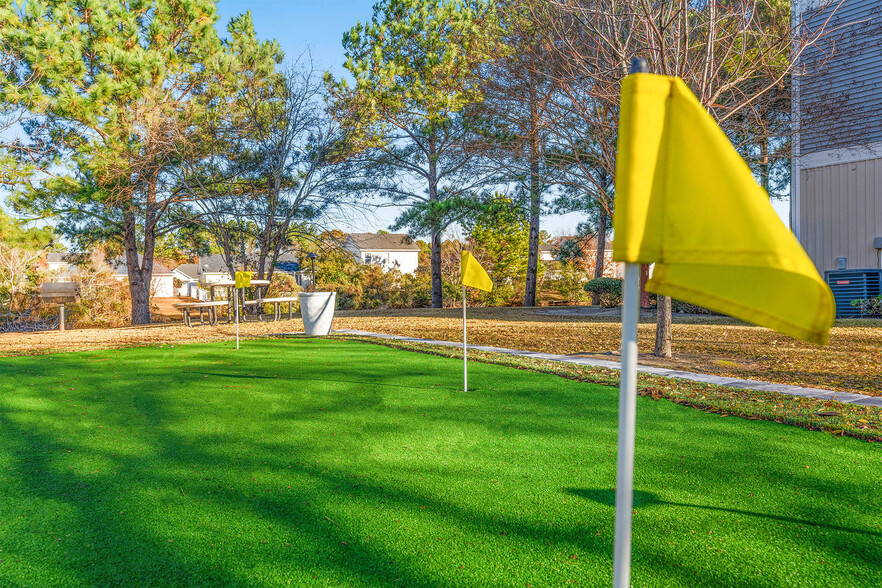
pixel 120 268
pixel 383 242
pixel 212 264
pixel 62 257
pixel 287 257
pixel 215 264
pixel 191 270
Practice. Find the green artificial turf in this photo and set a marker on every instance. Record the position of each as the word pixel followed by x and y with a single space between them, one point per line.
pixel 305 462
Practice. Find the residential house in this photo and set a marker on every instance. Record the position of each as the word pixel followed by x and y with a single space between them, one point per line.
pixel 836 181
pixel 61 264
pixel 188 275
pixel 388 250
pixel 162 281
pixel 213 268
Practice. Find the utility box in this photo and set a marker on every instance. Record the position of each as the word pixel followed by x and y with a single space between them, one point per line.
pixel 60 294
pixel 849 285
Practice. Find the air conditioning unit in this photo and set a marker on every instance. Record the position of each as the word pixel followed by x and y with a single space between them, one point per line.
pixel 850 285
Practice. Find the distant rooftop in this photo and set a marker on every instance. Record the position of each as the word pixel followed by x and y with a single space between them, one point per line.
pixel 215 264
pixel 63 257
pixel 120 267
pixel 191 270
pixel 383 242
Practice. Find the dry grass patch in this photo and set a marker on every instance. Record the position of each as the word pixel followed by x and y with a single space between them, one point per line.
pixel 862 422
pixel 851 362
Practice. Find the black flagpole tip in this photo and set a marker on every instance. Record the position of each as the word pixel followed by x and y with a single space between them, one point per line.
pixel 639 65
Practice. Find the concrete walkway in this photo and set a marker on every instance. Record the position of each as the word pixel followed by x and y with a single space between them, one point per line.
pixel 844 397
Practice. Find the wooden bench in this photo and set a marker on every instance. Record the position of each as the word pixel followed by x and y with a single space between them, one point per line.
pixel 203 307
pixel 277 306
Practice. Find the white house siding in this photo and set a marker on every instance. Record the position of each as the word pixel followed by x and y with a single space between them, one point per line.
pixel 404 261
pixel 840 213
pixel 163 286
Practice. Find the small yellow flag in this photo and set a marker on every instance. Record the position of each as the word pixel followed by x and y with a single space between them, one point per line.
pixel 473 275
pixel 686 201
pixel 243 279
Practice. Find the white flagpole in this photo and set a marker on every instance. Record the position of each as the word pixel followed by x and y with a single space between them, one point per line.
pixel 465 361
pixel 627 412
pixel 627 424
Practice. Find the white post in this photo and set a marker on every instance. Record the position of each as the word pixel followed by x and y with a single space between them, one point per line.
pixel 60 317
pixel 627 424
pixel 236 304
pixel 465 362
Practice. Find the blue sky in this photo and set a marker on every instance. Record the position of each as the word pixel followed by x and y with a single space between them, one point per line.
pixel 301 24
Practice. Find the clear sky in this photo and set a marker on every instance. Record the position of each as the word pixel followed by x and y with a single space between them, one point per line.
pixel 300 24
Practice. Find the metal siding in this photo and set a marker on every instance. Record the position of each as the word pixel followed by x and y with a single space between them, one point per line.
pixel 842 213
pixel 853 75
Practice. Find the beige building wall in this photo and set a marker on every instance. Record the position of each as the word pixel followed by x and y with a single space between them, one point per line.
pixel 840 213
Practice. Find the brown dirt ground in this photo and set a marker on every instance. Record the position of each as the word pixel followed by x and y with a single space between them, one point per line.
pixel 852 361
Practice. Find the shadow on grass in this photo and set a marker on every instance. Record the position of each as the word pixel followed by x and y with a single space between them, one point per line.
pixel 211 462
pixel 642 498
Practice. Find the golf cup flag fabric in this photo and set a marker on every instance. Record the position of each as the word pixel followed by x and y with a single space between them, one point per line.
pixel 243 279
pixel 686 201
pixel 473 275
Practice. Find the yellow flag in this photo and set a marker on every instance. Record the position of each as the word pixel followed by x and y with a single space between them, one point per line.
pixel 243 279
pixel 473 274
pixel 686 201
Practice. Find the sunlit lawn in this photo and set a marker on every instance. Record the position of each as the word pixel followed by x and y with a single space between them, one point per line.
pixel 309 462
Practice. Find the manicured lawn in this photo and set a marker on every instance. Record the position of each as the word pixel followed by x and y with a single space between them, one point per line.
pixel 332 463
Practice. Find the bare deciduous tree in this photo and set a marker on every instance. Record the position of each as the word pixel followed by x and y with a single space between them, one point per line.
pixel 269 168
pixel 737 57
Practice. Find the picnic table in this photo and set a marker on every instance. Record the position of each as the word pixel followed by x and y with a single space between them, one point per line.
pixel 277 306
pixel 231 295
pixel 235 298
pixel 209 308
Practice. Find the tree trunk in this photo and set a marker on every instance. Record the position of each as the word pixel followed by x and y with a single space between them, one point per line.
pixel 644 295
pixel 139 279
pixel 663 326
pixel 437 301
pixel 535 201
pixel 437 298
pixel 601 245
pixel 533 254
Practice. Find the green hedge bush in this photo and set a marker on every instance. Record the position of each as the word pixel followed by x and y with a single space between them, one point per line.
pixel 606 291
pixel 870 307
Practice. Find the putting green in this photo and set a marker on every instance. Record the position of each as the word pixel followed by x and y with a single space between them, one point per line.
pixel 309 462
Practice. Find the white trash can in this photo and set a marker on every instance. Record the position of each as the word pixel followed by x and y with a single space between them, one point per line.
pixel 317 309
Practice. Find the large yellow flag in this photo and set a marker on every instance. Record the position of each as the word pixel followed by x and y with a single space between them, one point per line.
pixel 243 279
pixel 473 274
pixel 686 201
